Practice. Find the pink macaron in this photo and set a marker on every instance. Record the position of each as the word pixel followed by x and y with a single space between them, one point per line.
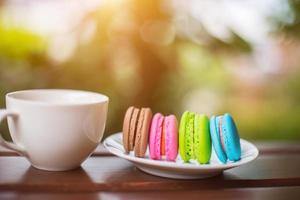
pixel 163 139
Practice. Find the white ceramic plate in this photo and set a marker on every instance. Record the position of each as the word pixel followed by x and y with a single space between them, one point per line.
pixel 179 169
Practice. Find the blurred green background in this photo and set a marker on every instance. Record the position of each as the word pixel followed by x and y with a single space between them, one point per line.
pixel 207 56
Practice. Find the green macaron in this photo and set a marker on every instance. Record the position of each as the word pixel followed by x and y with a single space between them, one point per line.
pixel 194 138
pixel 202 140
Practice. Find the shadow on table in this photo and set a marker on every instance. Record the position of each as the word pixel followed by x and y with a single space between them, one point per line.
pixel 57 184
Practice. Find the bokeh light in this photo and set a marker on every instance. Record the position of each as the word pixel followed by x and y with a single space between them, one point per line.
pixel 208 56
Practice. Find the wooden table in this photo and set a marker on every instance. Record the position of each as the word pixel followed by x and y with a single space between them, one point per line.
pixel 275 174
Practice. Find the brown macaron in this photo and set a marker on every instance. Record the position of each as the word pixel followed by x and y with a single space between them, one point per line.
pixel 136 130
pixel 142 132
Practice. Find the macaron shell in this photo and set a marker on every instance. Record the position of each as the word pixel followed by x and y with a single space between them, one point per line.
pixel 142 132
pixel 215 137
pixel 182 130
pixel 232 139
pixel 155 136
pixel 202 139
pixel 186 131
pixel 126 125
pixel 171 136
pixel 133 127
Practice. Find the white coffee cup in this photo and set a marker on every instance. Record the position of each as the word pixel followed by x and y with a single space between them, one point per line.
pixel 55 129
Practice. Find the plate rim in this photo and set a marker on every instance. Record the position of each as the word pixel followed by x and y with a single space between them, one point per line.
pixel 167 164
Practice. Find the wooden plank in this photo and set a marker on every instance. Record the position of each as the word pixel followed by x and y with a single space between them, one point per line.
pixel 114 174
pixel 273 193
pixel 278 147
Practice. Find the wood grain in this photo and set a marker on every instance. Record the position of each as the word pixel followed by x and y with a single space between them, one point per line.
pixel 114 174
pixel 274 193
pixel 273 175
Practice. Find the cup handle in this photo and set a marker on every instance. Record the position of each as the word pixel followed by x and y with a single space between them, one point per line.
pixel 10 145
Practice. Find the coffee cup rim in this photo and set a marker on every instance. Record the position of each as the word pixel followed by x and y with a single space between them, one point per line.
pixel 98 98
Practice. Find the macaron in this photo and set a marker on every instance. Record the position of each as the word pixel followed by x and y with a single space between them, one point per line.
pixel 136 127
pixel 163 139
pixel 194 138
pixel 225 138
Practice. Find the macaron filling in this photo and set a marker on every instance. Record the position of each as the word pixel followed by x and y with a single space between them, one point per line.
pixel 139 126
pixel 163 140
pixel 189 137
pixel 221 134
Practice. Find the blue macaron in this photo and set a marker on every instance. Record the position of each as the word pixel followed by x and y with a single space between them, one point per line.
pixel 225 138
